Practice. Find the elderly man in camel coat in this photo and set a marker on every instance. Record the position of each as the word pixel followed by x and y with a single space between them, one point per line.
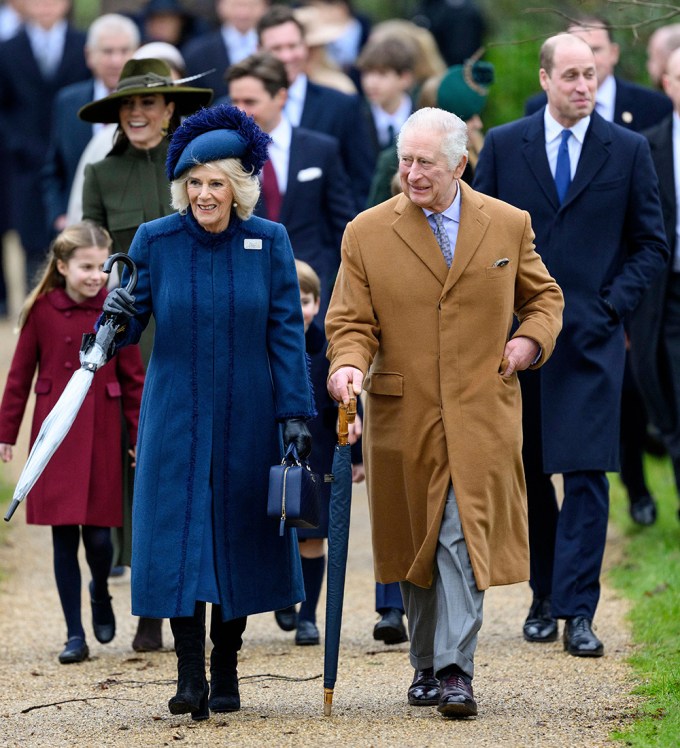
pixel 432 347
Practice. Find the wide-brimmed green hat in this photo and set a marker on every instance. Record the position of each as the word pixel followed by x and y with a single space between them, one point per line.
pixel 141 77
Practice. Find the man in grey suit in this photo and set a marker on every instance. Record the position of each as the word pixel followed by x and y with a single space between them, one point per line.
pixel 592 194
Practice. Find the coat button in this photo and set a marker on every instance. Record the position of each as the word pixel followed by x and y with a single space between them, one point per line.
pixel 68 339
pixel 67 314
pixel 68 365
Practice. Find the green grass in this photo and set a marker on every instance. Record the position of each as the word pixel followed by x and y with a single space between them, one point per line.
pixel 650 577
pixel 6 492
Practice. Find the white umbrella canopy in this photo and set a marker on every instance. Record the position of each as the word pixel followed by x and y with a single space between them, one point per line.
pixel 94 353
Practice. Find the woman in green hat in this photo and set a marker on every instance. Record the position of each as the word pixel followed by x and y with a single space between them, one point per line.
pixel 128 188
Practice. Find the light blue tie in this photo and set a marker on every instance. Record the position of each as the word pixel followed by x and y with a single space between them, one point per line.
pixel 442 238
pixel 563 168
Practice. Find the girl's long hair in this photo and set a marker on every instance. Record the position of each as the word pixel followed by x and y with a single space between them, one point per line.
pixel 83 234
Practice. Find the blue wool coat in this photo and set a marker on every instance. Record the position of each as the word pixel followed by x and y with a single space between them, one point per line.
pixel 228 363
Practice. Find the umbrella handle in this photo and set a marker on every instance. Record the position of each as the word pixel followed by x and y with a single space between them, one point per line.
pixel 346 416
pixel 129 263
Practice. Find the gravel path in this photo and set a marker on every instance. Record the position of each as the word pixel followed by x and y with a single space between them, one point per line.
pixel 528 695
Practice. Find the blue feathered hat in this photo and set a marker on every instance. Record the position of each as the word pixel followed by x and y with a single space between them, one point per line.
pixel 211 134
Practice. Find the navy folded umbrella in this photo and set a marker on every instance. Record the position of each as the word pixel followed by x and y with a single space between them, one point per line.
pixel 95 351
pixel 338 539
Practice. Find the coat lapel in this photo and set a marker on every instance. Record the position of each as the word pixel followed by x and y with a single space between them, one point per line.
pixel 412 226
pixel 594 155
pixel 473 225
pixel 533 149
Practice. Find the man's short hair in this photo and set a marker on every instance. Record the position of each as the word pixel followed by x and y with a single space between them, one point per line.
pixel 547 54
pixel 452 128
pixel 277 15
pixel 112 23
pixel 263 66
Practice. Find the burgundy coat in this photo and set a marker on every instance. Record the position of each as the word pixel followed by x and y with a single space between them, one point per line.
pixel 82 483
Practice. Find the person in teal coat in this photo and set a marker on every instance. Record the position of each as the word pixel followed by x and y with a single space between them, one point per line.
pixel 228 370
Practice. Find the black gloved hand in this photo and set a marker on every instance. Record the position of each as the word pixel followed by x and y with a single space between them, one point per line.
pixel 120 302
pixel 295 430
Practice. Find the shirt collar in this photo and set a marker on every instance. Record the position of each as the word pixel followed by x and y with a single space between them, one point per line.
pixel 281 135
pixel 606 92
pixel 553 129
pixel 453 211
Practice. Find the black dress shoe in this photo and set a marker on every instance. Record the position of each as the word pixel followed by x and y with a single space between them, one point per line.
pixel 390 628
pixel 643 510
pixel 457 700
pixel 103 620
pixel 424 690
pixel 286 618
pixel 579 639
pixel 75 651
pixel 540 626
pixel 307 633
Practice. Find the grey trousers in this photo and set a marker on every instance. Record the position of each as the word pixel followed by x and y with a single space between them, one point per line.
pixel 444 619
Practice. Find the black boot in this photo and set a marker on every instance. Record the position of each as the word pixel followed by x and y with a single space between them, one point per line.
pixel 192 686
pixel 227 641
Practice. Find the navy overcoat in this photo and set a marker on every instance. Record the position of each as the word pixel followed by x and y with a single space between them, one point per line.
pixel 606 241
pixel 228 363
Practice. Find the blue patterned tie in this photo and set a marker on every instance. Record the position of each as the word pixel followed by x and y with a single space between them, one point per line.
pixel 563 168
pixel 442 238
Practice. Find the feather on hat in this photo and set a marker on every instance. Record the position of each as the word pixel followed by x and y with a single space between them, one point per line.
pixel 211 134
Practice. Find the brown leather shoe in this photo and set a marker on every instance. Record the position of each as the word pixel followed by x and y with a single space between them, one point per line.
pixel 457 700
pixel 424 690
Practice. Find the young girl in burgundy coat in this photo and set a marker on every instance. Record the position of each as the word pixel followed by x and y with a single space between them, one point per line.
pixel 80 490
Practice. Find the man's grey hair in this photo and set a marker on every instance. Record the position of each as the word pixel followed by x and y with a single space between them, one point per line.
pixel 112 23
pixel 452 128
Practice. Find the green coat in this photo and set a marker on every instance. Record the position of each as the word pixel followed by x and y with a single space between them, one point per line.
pixel 121 192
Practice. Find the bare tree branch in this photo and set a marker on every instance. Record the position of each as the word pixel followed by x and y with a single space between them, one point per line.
pixel 71 701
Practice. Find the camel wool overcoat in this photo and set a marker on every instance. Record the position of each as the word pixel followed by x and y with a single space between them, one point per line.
pixel 430 341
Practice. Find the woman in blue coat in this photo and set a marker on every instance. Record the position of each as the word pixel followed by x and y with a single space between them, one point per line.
pixel 228 366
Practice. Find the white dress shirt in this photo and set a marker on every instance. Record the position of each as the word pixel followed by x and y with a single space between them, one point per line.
pixel 383 120
pixel 295 103
pixel 279 152
pixel 239 45
pixel 605 98
pixel 47 46
pixel 553 138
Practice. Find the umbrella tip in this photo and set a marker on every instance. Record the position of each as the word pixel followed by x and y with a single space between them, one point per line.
pixel 12 508
pixel 327 701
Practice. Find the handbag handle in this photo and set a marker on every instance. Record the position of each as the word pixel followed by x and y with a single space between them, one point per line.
pixel 291 456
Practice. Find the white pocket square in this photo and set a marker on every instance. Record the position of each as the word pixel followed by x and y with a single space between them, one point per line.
pixel 306 175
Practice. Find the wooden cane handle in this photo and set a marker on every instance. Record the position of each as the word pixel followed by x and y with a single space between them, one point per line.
pixel 345 417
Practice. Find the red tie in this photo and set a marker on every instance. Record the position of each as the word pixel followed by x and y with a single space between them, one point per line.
pixel 270 191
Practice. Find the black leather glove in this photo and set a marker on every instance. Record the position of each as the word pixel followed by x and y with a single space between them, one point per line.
pixel 120 303
pixel 295 430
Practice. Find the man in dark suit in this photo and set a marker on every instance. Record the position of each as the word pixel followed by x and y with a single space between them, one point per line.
pixel 311 194
pixel 235 39
pixel 592 194
pixel 44 56
pixel 627 104
pixel 111 40
pixel 655 328
pixel 316 107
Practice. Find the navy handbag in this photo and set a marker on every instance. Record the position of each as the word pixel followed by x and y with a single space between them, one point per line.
pixel 293 496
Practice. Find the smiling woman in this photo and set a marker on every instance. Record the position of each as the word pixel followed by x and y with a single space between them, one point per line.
pixel 129 187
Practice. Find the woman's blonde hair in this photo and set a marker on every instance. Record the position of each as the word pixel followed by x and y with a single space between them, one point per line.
pixel 83 234
pixel 244 185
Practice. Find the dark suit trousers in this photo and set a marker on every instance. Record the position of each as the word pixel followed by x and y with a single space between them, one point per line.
pixel 566 545
pixel 670 338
